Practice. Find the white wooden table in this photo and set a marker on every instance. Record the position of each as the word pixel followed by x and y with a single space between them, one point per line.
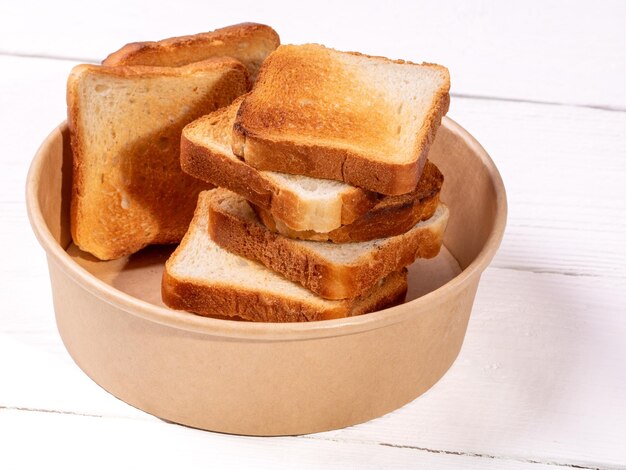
pixel 541 380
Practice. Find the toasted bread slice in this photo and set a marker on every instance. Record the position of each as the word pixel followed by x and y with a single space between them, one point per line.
pixel 300 202
pixel 128 189
pixel 333 271
pixel 392 215
pixel 203 278
pixel 367 121
pixel 250 43
pixel 300 206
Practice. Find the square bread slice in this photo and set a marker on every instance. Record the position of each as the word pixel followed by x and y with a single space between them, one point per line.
pixel 250 43
pixel 367 121
pixel 333 271
pixel 301 206
pixel 128 189
pixel 203 278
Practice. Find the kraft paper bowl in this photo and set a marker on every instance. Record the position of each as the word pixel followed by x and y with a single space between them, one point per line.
pixel 267 378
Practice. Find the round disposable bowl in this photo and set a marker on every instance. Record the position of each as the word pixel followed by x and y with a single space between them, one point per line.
pixel 266 378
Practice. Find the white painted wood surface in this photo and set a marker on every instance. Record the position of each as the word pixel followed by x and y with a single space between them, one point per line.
pixel 557 50
pixel 541 379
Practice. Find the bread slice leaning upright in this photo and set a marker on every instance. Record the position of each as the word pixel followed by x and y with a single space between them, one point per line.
pixel 367 121
pixel 203 278
pixel 128 190
pixel 250 43
pixel 333 271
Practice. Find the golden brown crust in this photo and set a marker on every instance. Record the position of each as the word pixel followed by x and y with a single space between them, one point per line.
pixel 289 138
pixel 76 143
pixel 433 122
pixel 212 166
pixel 147 171
pixel 208 299
pixel 220 301
pixel 259 40
pixel 320 161
pixel 392 215
pixel 356 203
pixel 250 239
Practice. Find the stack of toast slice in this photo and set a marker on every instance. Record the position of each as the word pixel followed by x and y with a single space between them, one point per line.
pixel 324 196
pixel 126 117
pixel 204 278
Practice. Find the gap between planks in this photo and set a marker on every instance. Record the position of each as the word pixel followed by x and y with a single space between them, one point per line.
pixel 25 55
pixel 60 412
pixel 471 96
pixel 313 437
pixel 495 457
pixel 494 265
pixel 563 272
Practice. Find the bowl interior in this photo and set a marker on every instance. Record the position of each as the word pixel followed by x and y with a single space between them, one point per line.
pixel 472 190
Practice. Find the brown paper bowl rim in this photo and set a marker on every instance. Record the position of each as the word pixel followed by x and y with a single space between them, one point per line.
pixel 265 331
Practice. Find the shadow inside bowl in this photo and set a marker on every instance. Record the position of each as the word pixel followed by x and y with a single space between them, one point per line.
pixel 267 378
pixel 139 275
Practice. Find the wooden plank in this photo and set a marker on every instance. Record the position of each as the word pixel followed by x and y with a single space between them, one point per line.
pixel 562 166
pixel 32 103
pixel 76 441
pixel 540 376
pixel 555 51
pixel 563 169
pixel 41 374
